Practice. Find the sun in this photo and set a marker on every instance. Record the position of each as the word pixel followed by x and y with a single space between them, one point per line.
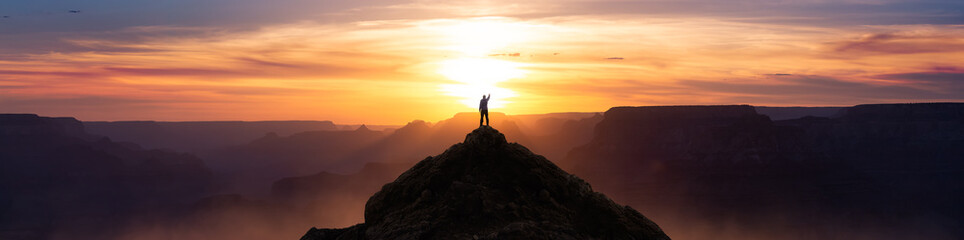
pixel 477 77
pixel 472 41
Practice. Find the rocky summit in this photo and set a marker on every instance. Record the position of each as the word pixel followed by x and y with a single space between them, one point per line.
pixel 487 188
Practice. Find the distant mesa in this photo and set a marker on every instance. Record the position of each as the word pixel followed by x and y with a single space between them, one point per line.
pixel 487 188
pixel 615 58
pixel 735 165
pixel 32 125
pixel 950 112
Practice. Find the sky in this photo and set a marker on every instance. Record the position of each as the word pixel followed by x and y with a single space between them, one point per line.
pixel 394 61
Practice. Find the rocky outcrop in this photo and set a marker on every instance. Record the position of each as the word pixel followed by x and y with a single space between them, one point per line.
pixel 487 188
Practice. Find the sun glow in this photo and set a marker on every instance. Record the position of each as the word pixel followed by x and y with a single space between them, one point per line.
pixel 478 74
pixel 482 36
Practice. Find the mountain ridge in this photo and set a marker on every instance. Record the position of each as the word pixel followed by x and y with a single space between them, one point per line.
pixel 488 188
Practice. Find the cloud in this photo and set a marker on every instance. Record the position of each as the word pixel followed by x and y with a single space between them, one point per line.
pixel 947 68
pixel 83 106
pixel 266 60
pixel 948 82
pixel 173 71
pixel 799 13
pixel 777 90
pixel 817 87
pixel 90 101
pixel 293 71
pixel 266 63
pixel 50 73
pixel 900 43
pixel 108 15
pixel 505 55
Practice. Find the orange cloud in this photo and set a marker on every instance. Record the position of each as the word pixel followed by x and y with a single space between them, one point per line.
pixel 386 72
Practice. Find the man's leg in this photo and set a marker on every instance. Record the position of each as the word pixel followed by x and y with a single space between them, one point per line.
pixel 481 115
pixel 487 117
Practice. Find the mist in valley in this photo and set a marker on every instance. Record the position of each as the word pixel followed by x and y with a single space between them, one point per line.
pixel 699 172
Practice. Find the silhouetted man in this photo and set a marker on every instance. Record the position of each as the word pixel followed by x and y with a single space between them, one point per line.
pixel 484 109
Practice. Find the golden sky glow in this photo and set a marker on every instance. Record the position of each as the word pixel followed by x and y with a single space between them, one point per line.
pixel 372 65
pixel 477 77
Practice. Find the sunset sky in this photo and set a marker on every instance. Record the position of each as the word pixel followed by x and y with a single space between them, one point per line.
pixel 390 62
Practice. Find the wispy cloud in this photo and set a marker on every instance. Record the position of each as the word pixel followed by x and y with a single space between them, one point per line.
pixel 352 61
pixel 813 87
pixel 946 82
pixel 901 43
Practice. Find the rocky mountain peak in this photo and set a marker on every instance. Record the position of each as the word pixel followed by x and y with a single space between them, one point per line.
pixel 488 188
pixel 363 128
pixel 485 136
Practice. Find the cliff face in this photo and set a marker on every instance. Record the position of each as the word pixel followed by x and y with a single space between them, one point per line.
pixel 890 135
pixel 675 128
pixel 650 138
pixel 910 153
pixel 905 112
pixel 488 188
pixel 869 164
pixel 31 124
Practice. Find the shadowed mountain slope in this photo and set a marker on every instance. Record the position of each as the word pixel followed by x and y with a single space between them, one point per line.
pixel 58 182
pixel 879 171
pixel 199 136
pixel 488 188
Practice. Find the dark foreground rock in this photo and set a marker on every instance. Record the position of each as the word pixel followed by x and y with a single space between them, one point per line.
pixel 487 188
